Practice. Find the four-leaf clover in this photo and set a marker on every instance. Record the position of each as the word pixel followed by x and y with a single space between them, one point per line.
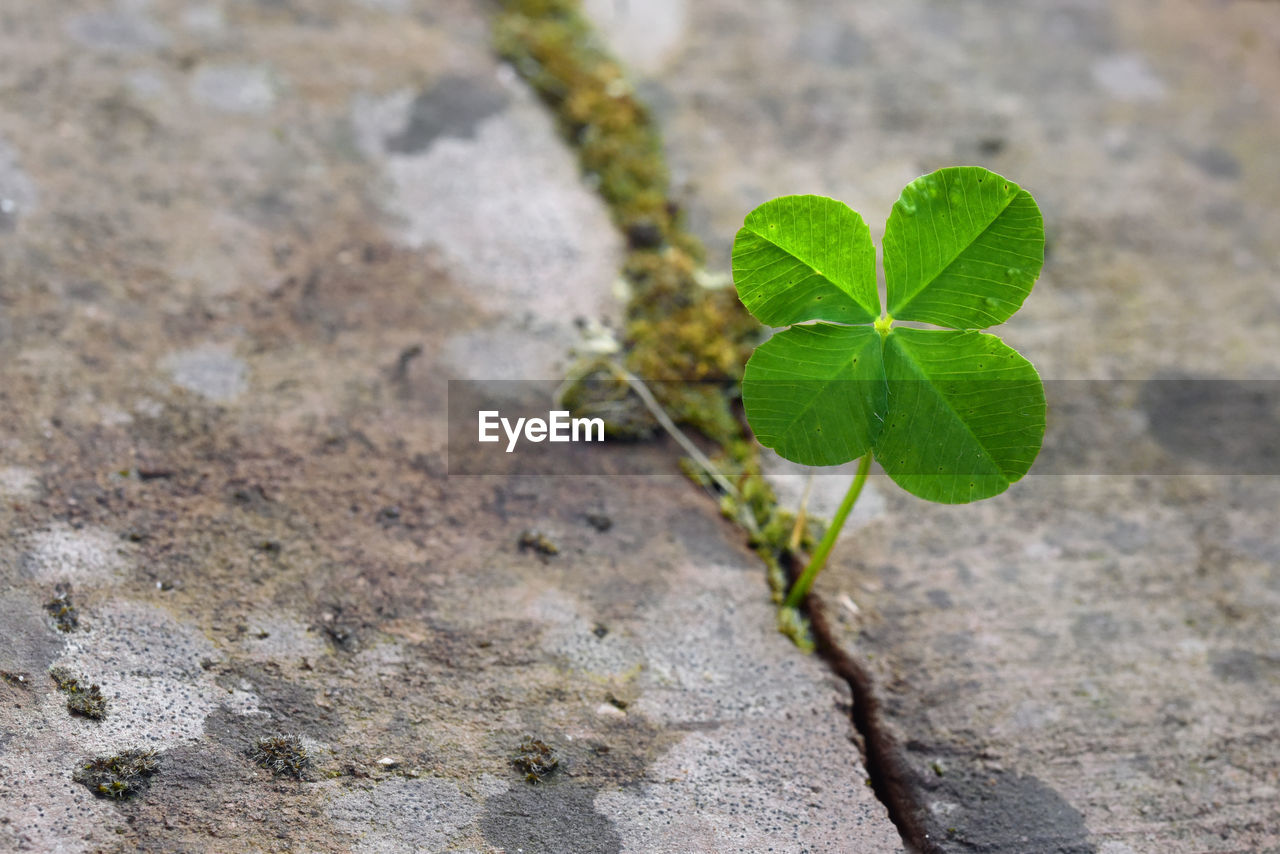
pixel 952 414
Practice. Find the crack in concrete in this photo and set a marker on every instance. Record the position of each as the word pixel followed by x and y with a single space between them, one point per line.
pixel 883 758
pixel 885 762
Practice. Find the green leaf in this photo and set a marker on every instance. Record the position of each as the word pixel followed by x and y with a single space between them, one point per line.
pixel 965 415
pixel 800 258
pixel 812 392
pixel 962 248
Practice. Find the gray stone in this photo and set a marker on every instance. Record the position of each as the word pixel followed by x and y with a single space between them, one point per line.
pixel 17 193
pixel 241 89
pixel 452 107
pixel 1084 656
pixel 549 818
pixel 64 554
pixel 209 370
pixel 424 815
pixel 500 198
pixel 1128 78
pixel 227 339
pixel 17 482
pixel 644 35
pixel 124 30
pixel 1086 663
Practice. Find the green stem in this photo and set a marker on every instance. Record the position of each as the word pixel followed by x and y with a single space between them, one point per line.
pixel 801 588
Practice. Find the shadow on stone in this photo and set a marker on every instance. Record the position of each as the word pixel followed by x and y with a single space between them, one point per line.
pixel 1232 425
pixel 453 107
pixel 555 818
pixel 993 812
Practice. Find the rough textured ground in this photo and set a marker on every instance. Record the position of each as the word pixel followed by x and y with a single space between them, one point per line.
pixel 1088 663
pixel 243 245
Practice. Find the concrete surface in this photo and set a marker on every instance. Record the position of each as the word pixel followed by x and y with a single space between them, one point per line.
pixel 1087 663
pixel 243 245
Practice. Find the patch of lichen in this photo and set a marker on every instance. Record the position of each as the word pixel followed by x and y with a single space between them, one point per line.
pixel 62 609
pixel 535 759
pixel 85 700
pixel 281 754
pixel 117 777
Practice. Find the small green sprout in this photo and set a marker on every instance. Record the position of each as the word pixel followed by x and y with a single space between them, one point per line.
pixel 281 754
pixel 117 777
pixel 952 414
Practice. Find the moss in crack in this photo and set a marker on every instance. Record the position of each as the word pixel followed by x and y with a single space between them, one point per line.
pixel 796 626
pixel 552 46
pixel 117 777
pixel 773 537
pixel 681 329
pixel 755 500
pixel 85 700
pixel 281 754
pixel 685 337
pixel 595 389
pixel 689 340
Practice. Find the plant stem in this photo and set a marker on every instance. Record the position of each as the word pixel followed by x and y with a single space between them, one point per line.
pixel 797 530
pixel 664 420
pixel 801 588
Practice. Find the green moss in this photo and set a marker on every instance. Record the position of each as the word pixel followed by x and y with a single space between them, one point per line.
pixel 794 625
pixel 13 677
pixel 84 700
pixel 777 576
pixel 535 759
pixel 552 46
pixel 281 754
pixel 679 334
pixel 688 342
pixel 61 608
pixel 537 542
pixel 117 777
pixel 597 390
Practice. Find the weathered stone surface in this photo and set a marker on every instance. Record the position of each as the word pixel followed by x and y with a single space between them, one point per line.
pixel 249 242
pixel 1086 663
